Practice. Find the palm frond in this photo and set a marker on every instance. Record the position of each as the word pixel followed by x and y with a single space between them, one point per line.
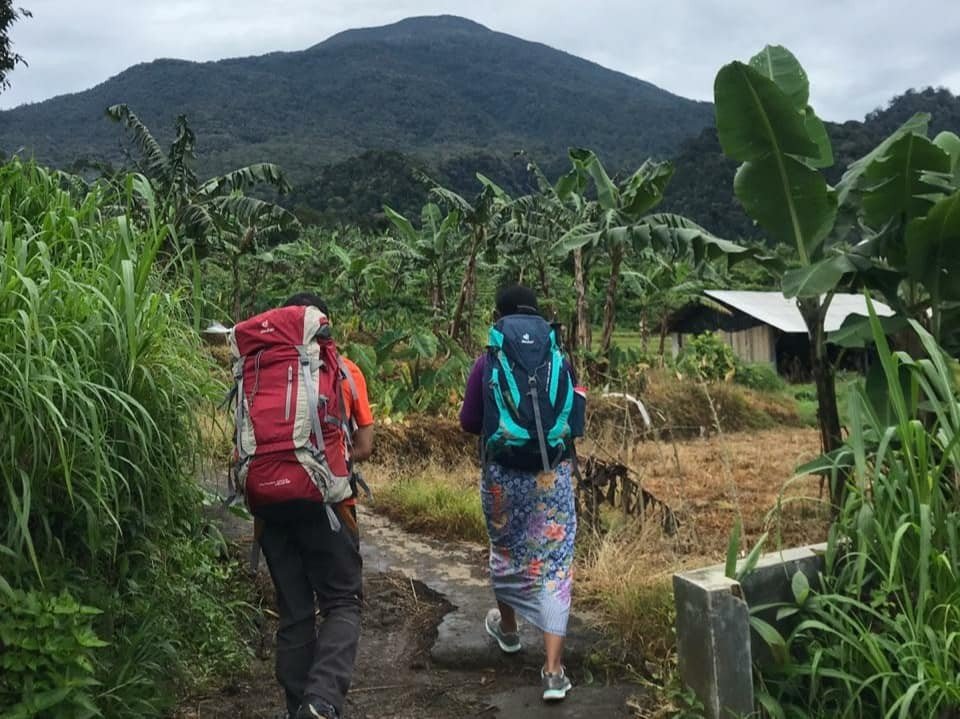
pixel 454 200
pixel 198 222
pixel 182 178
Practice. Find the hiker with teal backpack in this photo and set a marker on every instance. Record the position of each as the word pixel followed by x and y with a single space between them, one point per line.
pixel 522 400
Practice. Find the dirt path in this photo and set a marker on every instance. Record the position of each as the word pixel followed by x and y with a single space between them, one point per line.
pixel 398 674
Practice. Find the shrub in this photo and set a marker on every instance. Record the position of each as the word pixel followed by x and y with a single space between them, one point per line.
pixel 707 357
pixel 101 380
pixel 762 377
pixel 48 656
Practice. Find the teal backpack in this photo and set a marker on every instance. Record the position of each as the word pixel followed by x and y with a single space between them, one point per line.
pixel 532 407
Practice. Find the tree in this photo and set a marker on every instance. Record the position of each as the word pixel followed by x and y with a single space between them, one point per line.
pixel 200 210
pixel 435 248
pixel 624 224
pixel 665 282
pixel 889 225
pixel 213 213
pixel 905 195
pixel 564 206
pixel 765 122
pixel 480 216
pixel 531 247
pixel 8 58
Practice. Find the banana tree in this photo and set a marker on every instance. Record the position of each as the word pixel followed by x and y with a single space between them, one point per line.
pixel 570 191
pixel 202 210
pixel 482 216
pixel 764 121
pixel 664 282
pixel 537 224
pixel 905 195
pixel 625 225
pixel 213 214
pixel 435 248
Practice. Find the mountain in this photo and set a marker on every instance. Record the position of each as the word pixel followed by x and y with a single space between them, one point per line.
pixel 702 184
pixel 434 88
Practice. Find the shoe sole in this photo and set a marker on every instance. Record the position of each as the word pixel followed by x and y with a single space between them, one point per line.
pixel 504 647
pixel 556 695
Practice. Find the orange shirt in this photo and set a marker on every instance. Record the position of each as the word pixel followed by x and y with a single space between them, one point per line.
pixel 358 411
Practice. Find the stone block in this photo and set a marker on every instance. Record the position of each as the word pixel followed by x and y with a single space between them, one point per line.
pixel 713 641
pixel 715 644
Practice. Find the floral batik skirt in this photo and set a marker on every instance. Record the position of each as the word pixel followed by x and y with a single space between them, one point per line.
pixel 532 525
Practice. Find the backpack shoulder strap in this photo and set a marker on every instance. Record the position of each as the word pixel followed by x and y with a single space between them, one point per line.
pixel 347 375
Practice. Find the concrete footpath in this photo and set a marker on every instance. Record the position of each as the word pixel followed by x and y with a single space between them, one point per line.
pixel 457 571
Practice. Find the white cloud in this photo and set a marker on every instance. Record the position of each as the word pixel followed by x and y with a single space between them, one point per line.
pixel 858 53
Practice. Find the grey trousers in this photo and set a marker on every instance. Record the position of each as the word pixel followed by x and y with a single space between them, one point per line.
pixel 314 567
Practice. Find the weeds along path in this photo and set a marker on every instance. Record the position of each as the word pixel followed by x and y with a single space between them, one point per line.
pixel 423 653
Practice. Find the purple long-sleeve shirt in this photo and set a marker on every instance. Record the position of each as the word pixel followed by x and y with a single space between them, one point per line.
pixel 471 414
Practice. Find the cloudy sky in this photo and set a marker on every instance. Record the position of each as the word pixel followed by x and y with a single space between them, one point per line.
pixel 858 53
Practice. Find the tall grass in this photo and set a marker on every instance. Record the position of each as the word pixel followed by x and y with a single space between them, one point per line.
pixel 100 380
pixel 882 637
pixel 98 377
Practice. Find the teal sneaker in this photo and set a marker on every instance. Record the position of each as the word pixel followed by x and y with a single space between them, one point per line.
pixel 509 641
pixel 555 686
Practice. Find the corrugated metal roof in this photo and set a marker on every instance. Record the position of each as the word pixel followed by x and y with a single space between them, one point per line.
pixel 774 309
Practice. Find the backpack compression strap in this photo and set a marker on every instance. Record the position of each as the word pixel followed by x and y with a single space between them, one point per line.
pixel 313 402
pixel 541 435
pixel 313 408
pixel 348 377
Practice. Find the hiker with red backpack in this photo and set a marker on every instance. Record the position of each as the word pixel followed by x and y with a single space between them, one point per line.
pixel 522 399
pixel 302 420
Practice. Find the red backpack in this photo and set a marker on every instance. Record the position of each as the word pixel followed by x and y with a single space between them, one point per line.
pixel 292 433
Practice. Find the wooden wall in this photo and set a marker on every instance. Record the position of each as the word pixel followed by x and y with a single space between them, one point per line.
pixel 753 345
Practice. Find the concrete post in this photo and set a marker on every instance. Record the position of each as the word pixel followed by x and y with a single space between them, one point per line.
pixel 713 642
pixel 715 645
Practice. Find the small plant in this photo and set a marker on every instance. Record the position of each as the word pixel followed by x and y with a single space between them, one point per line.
pixel 759 376
pixel 675 700
pixel 708 358
pixel 47 656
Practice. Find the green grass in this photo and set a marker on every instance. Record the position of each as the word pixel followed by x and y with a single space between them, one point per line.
pixel 805 396
pixel 625 339
pixel 880 635
pixel 435 504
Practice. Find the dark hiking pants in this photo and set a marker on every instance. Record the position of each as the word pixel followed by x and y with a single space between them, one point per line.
pixel 310 562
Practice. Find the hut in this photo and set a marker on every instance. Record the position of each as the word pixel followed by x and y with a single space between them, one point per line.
pixel 765 327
